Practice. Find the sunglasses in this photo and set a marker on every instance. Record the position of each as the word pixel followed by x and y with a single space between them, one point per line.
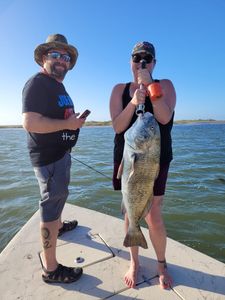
pixel 136 58
pixel 57 55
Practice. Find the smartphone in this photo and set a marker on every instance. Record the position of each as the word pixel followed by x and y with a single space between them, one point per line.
pixel 85 114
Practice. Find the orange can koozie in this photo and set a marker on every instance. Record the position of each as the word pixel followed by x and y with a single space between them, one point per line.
pixel 155 90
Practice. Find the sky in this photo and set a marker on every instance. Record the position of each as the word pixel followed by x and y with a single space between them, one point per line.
pixel 189 37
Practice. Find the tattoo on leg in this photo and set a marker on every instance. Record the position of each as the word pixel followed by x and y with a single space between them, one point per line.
pixel 46 238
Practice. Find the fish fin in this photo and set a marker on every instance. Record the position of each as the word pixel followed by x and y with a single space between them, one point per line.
pixel 135 238
pixel 120 170
pixel 123 208
pixel 147 207
pixel 133 159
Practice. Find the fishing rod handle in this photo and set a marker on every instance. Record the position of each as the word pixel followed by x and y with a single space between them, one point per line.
pixel 140 109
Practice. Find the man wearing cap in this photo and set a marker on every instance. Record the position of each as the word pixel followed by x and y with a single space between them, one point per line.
pixel 125 99
pixel 52 128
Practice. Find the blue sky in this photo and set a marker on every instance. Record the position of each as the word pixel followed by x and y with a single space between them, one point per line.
pixel 189 37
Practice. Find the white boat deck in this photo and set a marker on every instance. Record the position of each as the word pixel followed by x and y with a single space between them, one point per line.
pixel 98 241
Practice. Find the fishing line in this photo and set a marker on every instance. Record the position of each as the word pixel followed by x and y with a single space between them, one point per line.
pixel 91 168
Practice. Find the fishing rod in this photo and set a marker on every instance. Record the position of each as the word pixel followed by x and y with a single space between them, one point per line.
pixel 154 89
pixel 91 168
pixel 84 115
pixel 141 107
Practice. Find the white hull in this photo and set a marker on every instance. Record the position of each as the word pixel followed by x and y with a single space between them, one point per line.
pixel 98 240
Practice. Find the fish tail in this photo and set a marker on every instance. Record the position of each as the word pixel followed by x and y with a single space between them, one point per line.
pixel 135 238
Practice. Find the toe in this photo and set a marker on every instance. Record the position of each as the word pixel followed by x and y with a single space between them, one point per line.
pixel 165 281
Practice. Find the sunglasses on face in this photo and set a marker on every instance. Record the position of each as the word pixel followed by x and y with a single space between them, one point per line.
pixel 57 55
pixel 136 58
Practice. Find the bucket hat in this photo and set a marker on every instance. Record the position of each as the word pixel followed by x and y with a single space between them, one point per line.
pixel 55 41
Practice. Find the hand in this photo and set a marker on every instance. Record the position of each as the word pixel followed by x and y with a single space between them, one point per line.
pixel 74 122
pixel 139 97
pixel 144 77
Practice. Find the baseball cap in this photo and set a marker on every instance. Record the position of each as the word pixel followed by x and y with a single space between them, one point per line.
pixel 144 47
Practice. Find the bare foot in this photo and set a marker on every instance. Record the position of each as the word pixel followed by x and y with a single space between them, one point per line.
pixel 165 280
pixel 130 277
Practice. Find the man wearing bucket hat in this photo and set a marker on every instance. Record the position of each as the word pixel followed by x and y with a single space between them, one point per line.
pixel 125 99
pixel 52 129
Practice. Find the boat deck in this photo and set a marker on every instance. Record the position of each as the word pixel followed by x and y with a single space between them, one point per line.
pixel 98 241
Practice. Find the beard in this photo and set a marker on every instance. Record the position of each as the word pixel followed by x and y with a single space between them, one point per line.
pixel 58 73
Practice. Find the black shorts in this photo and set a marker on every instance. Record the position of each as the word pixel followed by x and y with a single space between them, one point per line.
pixel 160 183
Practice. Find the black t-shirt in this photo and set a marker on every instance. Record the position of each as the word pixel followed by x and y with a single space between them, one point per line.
pixel 46 96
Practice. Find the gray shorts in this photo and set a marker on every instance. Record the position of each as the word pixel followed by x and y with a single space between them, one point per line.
pixel 53 180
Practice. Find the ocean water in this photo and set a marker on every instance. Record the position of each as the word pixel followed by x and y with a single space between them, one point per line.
pixel 194 205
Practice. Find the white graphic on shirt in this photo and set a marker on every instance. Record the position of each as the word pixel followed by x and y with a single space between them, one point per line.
pixel 68 137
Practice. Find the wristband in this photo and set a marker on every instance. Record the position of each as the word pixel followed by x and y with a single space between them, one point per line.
pixel 155 91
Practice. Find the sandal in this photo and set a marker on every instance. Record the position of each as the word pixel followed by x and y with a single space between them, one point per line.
pixel 67 226
pixel 61 274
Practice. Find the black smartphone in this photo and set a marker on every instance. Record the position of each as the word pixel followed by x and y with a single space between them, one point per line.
pixel 85 114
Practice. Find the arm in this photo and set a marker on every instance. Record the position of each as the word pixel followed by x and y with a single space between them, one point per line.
pixel 164 107
pixel 121 117
pixel 35 122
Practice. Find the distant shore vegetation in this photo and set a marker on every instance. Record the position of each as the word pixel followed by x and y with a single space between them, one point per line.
pixel 109 123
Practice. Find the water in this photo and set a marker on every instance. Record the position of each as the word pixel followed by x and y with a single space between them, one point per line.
pixel 194 209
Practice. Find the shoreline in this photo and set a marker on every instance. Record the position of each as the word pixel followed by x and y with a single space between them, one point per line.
pixel 109 123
